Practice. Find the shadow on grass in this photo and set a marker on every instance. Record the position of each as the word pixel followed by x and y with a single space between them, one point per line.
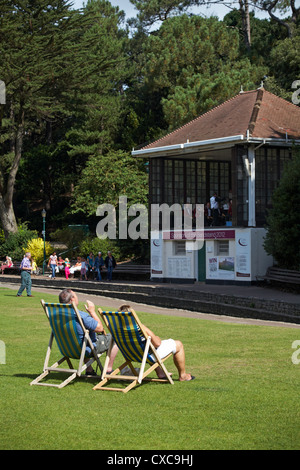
pixel 59 377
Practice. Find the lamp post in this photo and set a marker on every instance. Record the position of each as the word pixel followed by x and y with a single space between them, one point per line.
pixel 44 237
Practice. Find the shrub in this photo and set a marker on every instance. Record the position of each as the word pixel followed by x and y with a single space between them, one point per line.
pixel 95 245
pixel 36 248
pixel 15 244
pixel 71 238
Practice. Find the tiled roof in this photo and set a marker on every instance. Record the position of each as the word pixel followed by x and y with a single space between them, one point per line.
pixel 260 112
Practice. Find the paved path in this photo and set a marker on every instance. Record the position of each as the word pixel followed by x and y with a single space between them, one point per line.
pixel 114 303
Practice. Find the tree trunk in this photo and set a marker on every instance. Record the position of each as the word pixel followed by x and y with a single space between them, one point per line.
pixel 244 10
pixel 7 214
pixel 7 217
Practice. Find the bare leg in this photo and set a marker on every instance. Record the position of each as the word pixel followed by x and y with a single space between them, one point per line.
pixel 113 354
pixel 179 361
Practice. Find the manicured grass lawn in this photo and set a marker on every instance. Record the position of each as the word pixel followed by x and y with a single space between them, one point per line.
pixel 245 396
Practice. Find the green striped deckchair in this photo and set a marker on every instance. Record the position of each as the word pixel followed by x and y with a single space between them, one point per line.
pixel 62 319
pixel 136 346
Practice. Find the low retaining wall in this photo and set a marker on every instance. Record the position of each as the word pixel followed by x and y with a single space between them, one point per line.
pixel 186 299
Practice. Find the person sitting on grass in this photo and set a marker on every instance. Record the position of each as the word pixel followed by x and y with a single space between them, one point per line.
pixel 92 323
pixel 164 348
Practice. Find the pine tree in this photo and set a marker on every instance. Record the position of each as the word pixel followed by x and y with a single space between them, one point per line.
pixel 99 65
pixel 32 35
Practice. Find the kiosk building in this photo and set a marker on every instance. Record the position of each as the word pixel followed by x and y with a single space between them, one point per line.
pixel 237 150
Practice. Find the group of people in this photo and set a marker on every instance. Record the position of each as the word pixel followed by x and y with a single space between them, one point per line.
pixel 90 267
pixel 8 263
pixel 217 211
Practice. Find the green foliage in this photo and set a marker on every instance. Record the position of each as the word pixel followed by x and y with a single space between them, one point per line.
pixel 16 243
pixel 264 35
pixel 194 64
pixel 150 11
pixel 285 57
pixel 2 237
pixel 283 226
pixel 63 73
pixel 34 58
pixel 105 178
pixel 95 245
pixel 71 238
pixel 100 69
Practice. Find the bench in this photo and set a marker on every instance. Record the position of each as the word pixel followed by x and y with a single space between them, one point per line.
pixel 132 268
pixel 124 272
pixel 128 272
pixel 137 272
pixel 15 269
pixel 287 276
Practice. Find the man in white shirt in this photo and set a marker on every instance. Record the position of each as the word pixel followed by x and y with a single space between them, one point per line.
pixel 214 205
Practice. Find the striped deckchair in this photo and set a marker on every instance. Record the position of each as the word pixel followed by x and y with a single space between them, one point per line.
pixel 136 346
pixel 62 319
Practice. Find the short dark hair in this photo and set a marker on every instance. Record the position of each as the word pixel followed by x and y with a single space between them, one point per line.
pixel 124 308
pixel 65 296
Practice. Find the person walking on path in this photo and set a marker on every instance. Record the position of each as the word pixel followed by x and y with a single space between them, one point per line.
pixel 53 263
pixel 25 276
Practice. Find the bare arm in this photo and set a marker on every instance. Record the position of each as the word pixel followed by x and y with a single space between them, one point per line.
pixel 156 341
pixel 90 308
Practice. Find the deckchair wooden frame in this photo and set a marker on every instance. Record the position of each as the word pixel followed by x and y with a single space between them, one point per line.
pixel 71 370
pixel 136 378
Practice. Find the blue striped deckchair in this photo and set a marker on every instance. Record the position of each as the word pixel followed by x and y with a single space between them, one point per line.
pixel 62 319
pixel 136 346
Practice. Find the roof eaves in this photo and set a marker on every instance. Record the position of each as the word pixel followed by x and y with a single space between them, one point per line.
pixel 188 145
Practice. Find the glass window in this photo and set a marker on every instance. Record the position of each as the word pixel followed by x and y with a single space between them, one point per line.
pixel 156 173
pixel 269 166
pixel 190 197
pixel 179 248
pixel 222 247
pixel 201 183
pixel 168 183
pixel 179 182
pixel 214 177
pixel 188 181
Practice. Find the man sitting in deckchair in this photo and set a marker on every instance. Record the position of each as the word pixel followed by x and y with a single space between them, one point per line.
pixel 92 323
pixel 164 348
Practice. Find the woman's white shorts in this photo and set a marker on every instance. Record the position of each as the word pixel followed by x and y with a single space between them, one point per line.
pixel 167 346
